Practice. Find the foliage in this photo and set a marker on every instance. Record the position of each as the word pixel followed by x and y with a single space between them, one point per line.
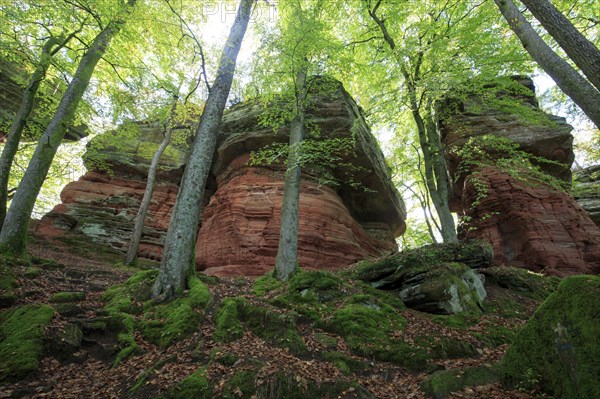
pixel 195 385
pixel 21 339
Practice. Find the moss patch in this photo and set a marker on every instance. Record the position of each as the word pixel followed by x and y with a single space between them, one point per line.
pixel 228 325
pixel 21 345
pixel 161 324
pixel 195 385
pixel 371 328
pixel 524 282
pixel 8 283
pixel 442 383
pixel 560 342
pixel 64 297
pixel 279 329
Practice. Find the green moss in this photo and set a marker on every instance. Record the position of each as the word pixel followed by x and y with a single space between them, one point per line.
pixel 166 323
pixel 64 297
pixel 21 344
pixel 443 383
pixel 279 329
pixel 47 264
pixel 32 272
pixel 371 328
pixel 240 385
pixel 460 320
pixel 8 282
pixel 471 253
pixel 345 363
pixel 560 342
pixel 265 284
pixel 129 296
pixel 281 385
pixel 524 282
pixel 228 326
pixel 161 324
pixel 495 336
pixel 194 386
pixel 449 348
pixel 311 294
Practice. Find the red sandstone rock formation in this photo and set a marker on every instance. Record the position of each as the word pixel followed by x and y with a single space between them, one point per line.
pixel 534 227
pixel 240 229
pixel 537 228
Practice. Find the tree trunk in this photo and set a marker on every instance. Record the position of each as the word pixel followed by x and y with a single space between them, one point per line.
pixel 136 234
pixel 566 77
pixel 286 261
pixel 16 128
pixel 436 176
pixel 178 256
pixel 579 49
pixel 14 231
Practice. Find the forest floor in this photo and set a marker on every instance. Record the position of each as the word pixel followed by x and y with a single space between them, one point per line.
pixel 89 371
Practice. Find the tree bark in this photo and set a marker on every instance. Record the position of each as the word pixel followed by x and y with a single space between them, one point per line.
pixel 14 231
pixel 178 256
pixel 579 49
pixel 566 77
pixel 436 175
pixel 286 262
pixel 136 234
pixel 16 128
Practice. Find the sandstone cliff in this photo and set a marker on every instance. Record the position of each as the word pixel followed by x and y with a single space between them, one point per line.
pixel 239 232
pixel 531 226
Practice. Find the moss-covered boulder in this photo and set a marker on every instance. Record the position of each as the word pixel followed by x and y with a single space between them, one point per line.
pixel 427 279
pixel 8 281
pixel 559 347
pixel 21 340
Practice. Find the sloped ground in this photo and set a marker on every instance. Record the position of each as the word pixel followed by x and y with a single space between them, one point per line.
pixel 310 338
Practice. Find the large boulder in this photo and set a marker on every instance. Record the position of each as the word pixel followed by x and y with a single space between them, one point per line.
pixel 340 223
pixel 529 225
pixel 434 278
pixel 558 347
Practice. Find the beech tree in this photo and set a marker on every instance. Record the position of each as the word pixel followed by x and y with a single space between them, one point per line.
pixel 14 230
pixel 584 94
pixel 51 46
pixel 579 49
pixel 178 256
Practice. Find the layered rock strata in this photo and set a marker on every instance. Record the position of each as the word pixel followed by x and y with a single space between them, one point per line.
pixel 239 233
pixel 586 190
pixel 529 225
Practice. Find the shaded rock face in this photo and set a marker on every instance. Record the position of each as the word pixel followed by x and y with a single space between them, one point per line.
pixel 534 227
pixel 586 190
pixel 537 228
pixel 239 232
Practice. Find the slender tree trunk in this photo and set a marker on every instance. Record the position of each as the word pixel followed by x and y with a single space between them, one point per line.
pixel 179 253
pixel 566 77
pixel 136 234
pixel 579 49
pixel 16 128
pixel 286 261
pixel 14 231
pixel 436 176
